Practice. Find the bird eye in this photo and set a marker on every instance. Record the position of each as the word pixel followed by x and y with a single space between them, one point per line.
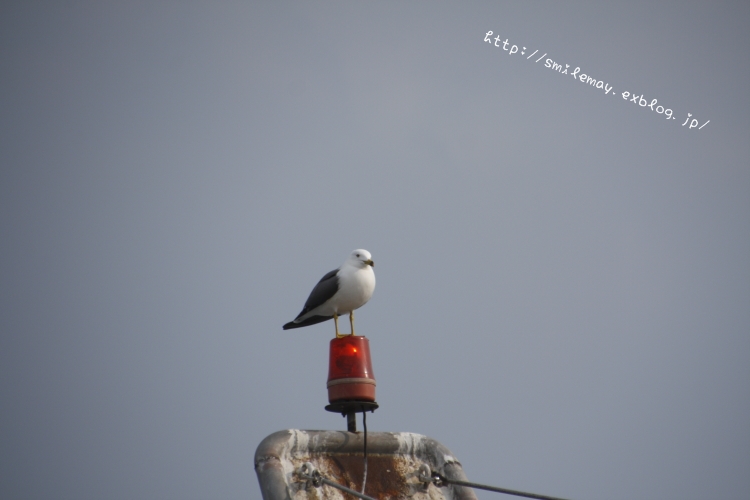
pixel 358 255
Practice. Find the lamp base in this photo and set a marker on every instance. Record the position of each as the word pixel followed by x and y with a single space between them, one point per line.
pixel 352 406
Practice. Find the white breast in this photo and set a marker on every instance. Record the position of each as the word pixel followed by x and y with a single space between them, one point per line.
pixel 356 285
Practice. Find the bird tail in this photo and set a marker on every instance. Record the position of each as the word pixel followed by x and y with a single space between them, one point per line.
pixel 312 320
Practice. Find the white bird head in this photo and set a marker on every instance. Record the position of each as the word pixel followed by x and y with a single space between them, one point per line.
pixel 361 258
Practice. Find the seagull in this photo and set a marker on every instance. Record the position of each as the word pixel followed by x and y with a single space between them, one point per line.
pixel 339 292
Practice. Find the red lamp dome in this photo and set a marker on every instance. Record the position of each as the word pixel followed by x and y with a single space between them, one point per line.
pixel 350 376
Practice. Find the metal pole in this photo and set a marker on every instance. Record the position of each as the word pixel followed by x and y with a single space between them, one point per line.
pixel 351 421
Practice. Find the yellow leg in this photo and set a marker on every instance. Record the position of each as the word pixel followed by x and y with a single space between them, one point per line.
pixel 351 321
pixel 336 322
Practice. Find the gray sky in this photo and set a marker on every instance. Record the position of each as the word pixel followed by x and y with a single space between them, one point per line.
pixel 563 292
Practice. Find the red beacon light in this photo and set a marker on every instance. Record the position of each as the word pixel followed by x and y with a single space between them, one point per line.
pixel 351 383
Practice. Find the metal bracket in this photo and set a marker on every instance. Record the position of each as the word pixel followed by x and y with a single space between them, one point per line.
pixel 309 473
pixel 424 475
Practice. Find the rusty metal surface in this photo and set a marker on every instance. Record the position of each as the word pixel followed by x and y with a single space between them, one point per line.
pixel 393 461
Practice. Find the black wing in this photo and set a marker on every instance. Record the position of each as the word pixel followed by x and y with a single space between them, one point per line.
pixel 324 290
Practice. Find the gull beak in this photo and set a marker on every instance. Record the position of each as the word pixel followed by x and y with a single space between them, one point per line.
pixel 370 263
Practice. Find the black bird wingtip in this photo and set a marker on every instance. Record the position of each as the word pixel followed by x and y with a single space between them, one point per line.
pixel 314 320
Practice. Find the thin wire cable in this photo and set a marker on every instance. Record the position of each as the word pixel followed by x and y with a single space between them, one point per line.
pixel 344 488
pixel 309 473
pixel 364 425
pixel 494 488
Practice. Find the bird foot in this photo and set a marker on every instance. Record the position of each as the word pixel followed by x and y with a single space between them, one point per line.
pixel 342 335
